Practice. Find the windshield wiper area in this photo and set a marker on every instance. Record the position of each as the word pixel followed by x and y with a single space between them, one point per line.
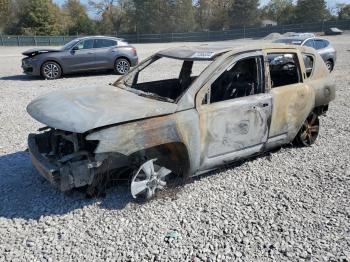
pixel 148 94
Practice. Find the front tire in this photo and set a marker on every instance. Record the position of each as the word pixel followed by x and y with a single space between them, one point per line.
pixel 122 66
pixel 51 70
pixel 308 132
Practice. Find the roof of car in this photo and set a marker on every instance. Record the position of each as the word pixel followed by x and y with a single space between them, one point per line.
pixel 210 52
pixel 193 53
pixel 100 36
pixel 301 38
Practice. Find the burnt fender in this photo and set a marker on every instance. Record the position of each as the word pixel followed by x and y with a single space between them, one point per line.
pixel 129 138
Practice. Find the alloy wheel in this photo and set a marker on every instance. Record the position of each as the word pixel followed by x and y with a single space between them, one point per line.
pixel 148 178
pixel 309 131
pixel 51 71
pixel 122 66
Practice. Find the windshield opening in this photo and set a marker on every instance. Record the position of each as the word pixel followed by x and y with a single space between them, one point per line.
pixel 70 44
pixel 163 78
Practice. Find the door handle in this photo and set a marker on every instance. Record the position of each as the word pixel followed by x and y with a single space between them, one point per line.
pixel 90 53
pixel 260 105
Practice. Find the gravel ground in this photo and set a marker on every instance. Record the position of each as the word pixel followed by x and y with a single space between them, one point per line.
pixel 290 205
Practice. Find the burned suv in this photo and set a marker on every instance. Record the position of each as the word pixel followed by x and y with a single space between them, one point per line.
pixel 180 113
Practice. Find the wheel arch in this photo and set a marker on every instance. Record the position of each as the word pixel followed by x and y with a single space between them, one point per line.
pixel 122 57
pixel 176 134
pixel 172 155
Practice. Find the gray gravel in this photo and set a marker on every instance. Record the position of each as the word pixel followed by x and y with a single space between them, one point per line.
pixel 290 205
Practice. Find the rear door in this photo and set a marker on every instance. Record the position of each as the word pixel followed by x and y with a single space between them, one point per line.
pixel 105 52
pixel 83 58
pixel 293 100
pixel 234 112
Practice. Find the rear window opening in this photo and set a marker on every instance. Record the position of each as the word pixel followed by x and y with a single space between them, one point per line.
pixel 309 64
pixel 284 69
pixel 164 78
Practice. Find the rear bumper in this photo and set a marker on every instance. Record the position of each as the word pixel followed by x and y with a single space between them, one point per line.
pixel 134 61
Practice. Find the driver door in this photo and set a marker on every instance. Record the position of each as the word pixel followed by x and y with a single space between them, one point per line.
pixel 81 57
pixel 234 112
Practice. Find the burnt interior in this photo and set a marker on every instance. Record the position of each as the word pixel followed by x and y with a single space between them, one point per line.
pixel 243 79
pixel 284 69
pixel 170 88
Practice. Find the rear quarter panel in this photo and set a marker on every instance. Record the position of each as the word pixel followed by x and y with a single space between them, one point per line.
pixel 320 81
pixel 122 51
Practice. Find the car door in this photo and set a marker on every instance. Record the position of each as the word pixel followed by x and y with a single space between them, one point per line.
pixel 234 112
pixel 292 99
pixel 81 57
pixel 105 52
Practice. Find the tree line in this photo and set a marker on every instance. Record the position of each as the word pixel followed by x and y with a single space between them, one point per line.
pixel 44 17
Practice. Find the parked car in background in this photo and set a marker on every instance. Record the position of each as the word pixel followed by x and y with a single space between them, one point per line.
pixel 194 109
pixel 81 54
pixel 323 47
pixel 333 31
pixel 305 35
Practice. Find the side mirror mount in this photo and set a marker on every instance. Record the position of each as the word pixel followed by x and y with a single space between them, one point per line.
pixel 75 48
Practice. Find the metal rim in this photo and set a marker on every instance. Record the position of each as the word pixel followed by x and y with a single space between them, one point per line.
pixel 148 179
pixel 310 130
pixel 122 66
pixel 329 66
pixel 51 70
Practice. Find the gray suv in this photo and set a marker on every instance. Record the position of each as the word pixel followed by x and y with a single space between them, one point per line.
pixel 81 54
pixel 322 46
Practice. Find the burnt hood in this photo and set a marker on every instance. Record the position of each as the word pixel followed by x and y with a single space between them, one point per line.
pixel 36 51
pixel 82 109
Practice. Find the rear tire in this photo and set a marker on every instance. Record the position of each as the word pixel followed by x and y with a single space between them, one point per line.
pixel 51 70
pixel 308 132
pixel 329 65
pixel 122 66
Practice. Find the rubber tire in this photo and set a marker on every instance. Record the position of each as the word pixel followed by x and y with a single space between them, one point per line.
pixel 118 61
pixel 51 78
pixel 329 65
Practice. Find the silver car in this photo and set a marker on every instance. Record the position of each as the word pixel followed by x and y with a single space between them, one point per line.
pixel 81 54
pixel 322 46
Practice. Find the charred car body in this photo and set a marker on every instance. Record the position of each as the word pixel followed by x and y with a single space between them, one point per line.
pixel 220 105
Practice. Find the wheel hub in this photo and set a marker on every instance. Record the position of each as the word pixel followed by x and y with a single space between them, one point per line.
pixel 51 70
pixel 148 179
pixel 122 67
